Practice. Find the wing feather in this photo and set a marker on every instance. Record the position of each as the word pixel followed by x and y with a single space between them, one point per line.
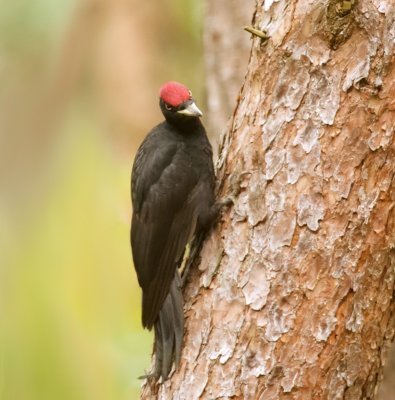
pixel 164 219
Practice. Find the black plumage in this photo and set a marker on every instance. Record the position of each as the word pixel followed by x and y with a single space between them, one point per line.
pixel 173 199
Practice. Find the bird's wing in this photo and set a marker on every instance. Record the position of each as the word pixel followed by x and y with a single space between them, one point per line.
pixel 162 224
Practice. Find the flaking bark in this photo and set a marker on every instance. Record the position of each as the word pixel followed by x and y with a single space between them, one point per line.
pixel 293 296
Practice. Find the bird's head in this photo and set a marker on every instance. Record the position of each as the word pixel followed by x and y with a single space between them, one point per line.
pixel 177 103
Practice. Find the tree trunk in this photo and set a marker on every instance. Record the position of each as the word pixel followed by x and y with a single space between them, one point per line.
pixel 226 58
pixel 387 386
pixel 293 295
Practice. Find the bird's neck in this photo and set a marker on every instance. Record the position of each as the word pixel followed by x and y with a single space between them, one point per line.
pixel 188 125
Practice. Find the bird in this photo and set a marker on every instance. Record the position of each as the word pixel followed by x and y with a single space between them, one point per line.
pixel 173 201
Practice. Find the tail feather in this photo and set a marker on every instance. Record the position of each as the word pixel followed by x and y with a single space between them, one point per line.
pixel 169 328
pixel 178 309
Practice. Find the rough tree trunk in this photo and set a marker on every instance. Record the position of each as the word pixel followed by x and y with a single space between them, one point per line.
pixel 293 295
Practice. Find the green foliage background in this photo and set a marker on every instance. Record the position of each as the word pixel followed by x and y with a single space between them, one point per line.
pixel 69 299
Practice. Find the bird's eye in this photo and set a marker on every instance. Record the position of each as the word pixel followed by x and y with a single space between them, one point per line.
pixel 168 107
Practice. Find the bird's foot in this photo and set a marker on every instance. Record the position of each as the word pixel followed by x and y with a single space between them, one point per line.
pixel 227 202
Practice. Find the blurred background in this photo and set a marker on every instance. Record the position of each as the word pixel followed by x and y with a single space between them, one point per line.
pixel 79 85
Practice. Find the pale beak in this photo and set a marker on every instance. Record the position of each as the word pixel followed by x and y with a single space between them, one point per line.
pixel 191 111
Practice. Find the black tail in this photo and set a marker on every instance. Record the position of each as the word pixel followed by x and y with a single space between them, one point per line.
pixel 169 329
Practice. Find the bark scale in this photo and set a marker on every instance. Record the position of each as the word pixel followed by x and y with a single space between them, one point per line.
pixel 293 297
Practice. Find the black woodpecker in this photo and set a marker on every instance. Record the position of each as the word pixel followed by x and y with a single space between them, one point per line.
pixel 173 184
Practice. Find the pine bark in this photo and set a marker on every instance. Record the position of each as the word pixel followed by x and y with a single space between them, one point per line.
pixel 293 295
